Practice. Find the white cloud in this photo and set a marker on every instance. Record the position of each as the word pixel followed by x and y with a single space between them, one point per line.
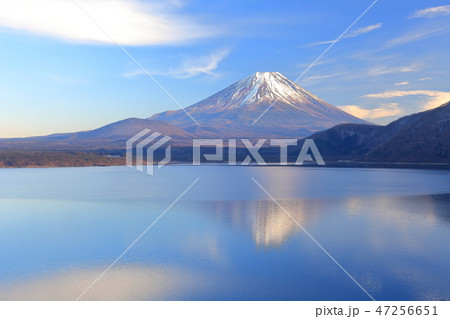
pixel 129 22
pixel 385 110
pixel 388 70
pixel 202 65
pixel 425 79
pixel 363 30
pixel 321 77
pixel 432 12
pixel 402 83
pixel 416 36
pixel 436 99
pixel 190 67
pixel 353 33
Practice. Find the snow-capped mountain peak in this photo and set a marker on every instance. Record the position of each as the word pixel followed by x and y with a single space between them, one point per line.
pixel 289 110
pixel 264 87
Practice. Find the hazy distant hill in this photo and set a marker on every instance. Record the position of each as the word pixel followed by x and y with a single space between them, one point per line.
pixel 110 136
pixel 231 112
pixel 418 138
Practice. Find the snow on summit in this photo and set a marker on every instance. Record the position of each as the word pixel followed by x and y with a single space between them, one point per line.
pixel 263 87
pixel 271 86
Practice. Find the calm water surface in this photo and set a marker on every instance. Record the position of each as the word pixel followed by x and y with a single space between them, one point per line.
pixel 225 239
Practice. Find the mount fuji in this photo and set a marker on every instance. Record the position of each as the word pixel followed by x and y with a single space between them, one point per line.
pixel 233 112
pixel 230 113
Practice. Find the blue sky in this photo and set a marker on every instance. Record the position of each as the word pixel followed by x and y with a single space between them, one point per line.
pixel 59 72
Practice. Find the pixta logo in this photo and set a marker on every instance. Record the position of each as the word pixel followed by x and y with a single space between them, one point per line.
pixel 141 148
pixel 136 145
pixel 253 151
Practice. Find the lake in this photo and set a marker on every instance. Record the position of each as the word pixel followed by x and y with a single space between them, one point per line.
pixel 225 239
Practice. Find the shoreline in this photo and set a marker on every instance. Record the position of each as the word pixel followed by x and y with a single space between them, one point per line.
pixel 346 164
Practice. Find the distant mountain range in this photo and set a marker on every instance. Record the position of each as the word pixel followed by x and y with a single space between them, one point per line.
pixel 292 112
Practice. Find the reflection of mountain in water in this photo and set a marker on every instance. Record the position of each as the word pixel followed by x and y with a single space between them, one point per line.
pixel 273 226
pixel 269 225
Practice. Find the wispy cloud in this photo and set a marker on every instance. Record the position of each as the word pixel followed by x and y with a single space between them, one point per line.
pixel 385 110
pixel 432 12
pixel 416 36
pixel 322 77
pixel 363 30
pixel 200 65
pixel 63 79
pixel 189 67
pixel 352 34
pixel 388 70
pixel 437 98
pixel 129 22
pixel 402 83
pixel 321 62
pixel 425 78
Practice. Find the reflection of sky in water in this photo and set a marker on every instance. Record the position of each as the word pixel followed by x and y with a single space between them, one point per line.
pixel 128 282
pixel 59 229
